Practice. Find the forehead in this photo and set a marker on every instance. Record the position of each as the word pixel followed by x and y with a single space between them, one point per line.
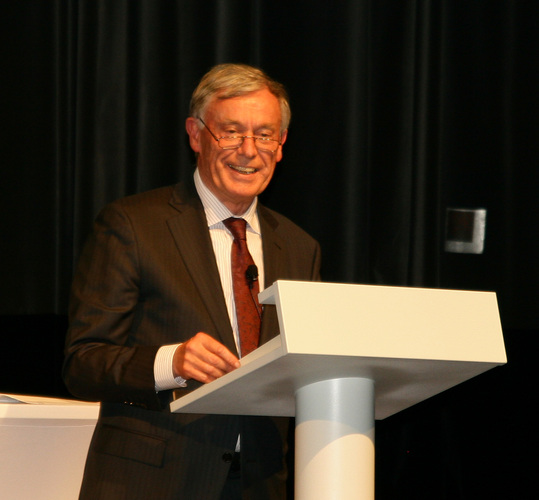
pixel 260 107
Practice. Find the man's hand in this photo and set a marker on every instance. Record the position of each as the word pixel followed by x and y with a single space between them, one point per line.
pixel 204 359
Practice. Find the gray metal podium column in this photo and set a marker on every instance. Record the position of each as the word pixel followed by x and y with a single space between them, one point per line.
pixel 335 440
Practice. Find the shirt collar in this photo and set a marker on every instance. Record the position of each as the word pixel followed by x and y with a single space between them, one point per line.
pixel 216 212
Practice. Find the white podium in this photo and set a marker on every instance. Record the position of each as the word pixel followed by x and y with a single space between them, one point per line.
pixel 43 443
pixel 348 354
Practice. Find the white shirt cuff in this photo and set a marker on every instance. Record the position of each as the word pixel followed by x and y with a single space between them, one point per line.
pixel 162 369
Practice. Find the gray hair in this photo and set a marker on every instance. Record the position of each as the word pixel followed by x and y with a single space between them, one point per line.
pixel 225 81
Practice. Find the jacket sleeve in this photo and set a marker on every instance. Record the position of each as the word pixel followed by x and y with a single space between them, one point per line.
pixel 102 360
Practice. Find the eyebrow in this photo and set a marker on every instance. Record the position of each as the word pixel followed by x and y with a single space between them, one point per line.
pixel 227 123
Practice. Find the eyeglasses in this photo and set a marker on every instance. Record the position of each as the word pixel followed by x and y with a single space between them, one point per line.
pixel 235 141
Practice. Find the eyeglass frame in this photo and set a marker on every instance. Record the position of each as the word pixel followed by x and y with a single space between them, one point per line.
pixel 242 137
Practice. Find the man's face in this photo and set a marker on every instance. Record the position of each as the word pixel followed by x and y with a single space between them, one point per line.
pixel 236 176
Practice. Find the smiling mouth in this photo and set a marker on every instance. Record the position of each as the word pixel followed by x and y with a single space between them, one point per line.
pixel 242 170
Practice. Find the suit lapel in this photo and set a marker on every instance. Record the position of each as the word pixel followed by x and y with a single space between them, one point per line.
pixel 274 269
pixel 190 232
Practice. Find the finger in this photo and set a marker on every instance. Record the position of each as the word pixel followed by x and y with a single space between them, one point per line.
pixel 214 362
pixel 205 368
pixel 203 358
pixel 202 375
pixel 221 352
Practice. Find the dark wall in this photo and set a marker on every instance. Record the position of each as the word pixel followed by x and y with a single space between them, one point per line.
pixel 32 349
pixel 400 110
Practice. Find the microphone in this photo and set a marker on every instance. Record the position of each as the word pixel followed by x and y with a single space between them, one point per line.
pixel 252 275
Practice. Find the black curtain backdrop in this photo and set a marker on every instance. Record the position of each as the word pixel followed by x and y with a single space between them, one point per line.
pixel 401 109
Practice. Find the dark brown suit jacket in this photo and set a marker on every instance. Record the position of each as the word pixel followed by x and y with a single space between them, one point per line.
pixel 147 277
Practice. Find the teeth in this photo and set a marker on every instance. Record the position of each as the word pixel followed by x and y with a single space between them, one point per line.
pixel 243 170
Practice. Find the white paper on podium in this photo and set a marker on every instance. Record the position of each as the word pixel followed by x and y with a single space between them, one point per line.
pixel 5 399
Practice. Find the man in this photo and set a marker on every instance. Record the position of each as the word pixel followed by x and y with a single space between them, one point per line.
pixel 153 310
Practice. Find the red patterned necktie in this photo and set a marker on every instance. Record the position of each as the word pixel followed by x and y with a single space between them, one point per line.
pixel 245 289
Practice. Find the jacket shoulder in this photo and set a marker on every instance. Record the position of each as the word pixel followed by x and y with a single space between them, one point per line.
pixel 154 196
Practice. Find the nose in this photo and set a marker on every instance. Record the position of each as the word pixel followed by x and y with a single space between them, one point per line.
pixel 248 147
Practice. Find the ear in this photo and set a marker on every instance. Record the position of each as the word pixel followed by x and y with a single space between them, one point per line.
pixel 279 152
pixel 193 130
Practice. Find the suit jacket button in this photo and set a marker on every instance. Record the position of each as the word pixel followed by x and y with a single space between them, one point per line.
pixel 228 457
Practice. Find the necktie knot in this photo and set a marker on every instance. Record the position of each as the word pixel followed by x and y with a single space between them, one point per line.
pixel 237 227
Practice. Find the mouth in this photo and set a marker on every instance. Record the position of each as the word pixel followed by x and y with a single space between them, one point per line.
pixel 242 170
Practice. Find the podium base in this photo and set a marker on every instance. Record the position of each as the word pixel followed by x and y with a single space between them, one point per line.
pixel 335 440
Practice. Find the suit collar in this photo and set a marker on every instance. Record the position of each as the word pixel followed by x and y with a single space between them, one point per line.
pixel 216 211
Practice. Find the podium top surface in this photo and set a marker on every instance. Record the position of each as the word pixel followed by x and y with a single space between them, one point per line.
pixel 414 343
